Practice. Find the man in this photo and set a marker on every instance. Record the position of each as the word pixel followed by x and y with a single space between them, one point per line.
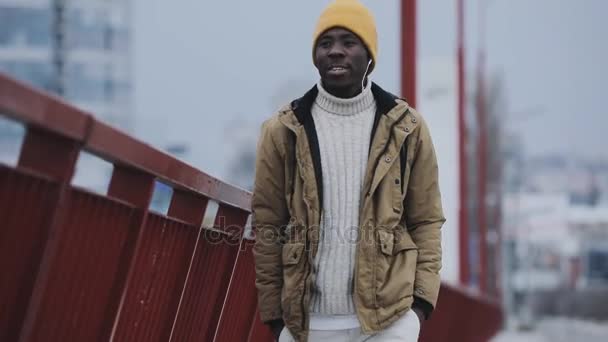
pixel 346 203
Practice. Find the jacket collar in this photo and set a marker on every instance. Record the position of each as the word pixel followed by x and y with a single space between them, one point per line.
pixel 385 101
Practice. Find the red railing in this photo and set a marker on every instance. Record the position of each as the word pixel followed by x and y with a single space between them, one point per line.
pixel 462 315
pixel 80 266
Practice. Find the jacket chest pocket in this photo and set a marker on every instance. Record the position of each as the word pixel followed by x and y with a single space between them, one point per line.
pixel 292 254
pixel 395 267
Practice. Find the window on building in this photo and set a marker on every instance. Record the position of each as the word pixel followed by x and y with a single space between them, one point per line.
pixel 26 26
pixel 598 265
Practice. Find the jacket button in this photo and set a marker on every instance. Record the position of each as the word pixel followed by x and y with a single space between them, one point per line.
pixel 414 120
pixel 388 159
pixel 407 129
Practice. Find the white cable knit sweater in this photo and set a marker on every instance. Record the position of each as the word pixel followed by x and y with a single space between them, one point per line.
pixel 343 128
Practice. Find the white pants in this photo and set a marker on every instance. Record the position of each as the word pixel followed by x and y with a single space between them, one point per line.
pixel 405 329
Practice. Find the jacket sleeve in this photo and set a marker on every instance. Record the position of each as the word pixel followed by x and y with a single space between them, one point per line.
pixel 424 218
pixel 269 215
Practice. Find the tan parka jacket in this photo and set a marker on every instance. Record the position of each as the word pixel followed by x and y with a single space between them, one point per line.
pixel 398 253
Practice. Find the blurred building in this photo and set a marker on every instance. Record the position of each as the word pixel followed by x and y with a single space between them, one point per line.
pixel 556 233
pixel 78 49
pixel 589 225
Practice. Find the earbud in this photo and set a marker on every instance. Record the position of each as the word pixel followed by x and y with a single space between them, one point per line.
pixel 369 63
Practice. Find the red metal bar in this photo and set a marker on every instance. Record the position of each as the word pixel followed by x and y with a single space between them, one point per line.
pixel 119 148
pixel 240 307
pixel 188 207
pixel 210 277
pixel 482 179
pixel 482 157
pixel 463 228
pixel 49 154
pixel 37 109
pixel 408 51
pixel 499 291
pixel 135 188
pixel 27 202
pixel 55 157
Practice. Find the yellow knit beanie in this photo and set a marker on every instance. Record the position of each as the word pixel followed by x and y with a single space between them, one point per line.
pixel 353 16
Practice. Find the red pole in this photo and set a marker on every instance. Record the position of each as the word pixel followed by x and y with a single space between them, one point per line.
pixel 482 157
pixel 463 232
pixel 408 51
pixel 482 178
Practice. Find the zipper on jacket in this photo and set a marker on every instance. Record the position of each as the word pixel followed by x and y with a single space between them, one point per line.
pixel 306 239
pixel 357 250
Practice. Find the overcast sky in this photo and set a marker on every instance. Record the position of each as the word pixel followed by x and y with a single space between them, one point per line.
pixel 202 66
pixel 554 56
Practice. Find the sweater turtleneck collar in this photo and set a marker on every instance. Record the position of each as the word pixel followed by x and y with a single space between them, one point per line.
pixel 340 106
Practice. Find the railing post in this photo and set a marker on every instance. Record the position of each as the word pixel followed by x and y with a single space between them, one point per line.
pixel 189 208
pixel 136 188
pixel 55 157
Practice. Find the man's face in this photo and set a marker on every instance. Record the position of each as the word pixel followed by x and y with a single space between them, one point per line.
pixel 341 58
